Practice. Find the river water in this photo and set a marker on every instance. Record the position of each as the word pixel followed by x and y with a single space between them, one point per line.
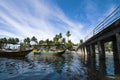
pixel 43 67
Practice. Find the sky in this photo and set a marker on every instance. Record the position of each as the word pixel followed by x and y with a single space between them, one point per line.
pixel 46 18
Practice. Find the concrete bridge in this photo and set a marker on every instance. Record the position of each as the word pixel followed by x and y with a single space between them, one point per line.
pixel 93 50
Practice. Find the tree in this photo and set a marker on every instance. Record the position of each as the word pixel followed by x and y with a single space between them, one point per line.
pixel 56 39
pixel 60 37
pixel 16 40
pixel 68 34
pixel 3 42
pixel 25 41
pixel 34 39
pixel 35 45
pixel 41 42
pixel 47 41
pixel 69 45
pixel 28 40
pixel 11 41
pixel 81 41
pixel 64 41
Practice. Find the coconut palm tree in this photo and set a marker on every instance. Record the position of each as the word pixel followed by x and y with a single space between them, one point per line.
pixel 68 34
pixel 3 42
pixel 81 41
pixel 60 37
pixel 69 45
pixel 28 40
pixel 35 45
pixel 63 40
pixel 47 41
pixel 41 42
pixel 16 40
pixel 34 39
pixel 56 39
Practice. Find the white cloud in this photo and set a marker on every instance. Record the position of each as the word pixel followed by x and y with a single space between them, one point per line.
pixel 37 23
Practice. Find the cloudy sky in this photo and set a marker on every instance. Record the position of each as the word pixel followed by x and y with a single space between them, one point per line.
pixel 45 18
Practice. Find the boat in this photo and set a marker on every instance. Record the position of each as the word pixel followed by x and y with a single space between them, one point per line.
pixel 14 53
pixel 51 52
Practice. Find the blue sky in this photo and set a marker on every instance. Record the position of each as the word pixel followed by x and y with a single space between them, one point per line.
pixel 45 18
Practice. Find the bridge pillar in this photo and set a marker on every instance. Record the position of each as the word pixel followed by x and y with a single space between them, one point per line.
pixel 118 44
pixel 88 55
pixel 88 51
pixel 101 50
pixel 84 53
pixel 92 50
pixel 116 53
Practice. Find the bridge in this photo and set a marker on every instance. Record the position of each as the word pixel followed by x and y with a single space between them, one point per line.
pixel 93 52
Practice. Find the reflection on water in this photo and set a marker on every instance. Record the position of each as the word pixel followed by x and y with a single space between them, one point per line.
pixel 97 61
pixel 41 67
pixel 107 69
pixel 109 63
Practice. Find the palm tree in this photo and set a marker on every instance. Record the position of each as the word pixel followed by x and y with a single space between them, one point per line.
pixel 28 40
pixel 60 37
pixel 81 41
pixel 64 41
pixel 16 40
pixel 56 39
pixel 41 42
pixel 47 41
pixel 68 34
pixel 69 45
pixel 3 42
pixel 35 45
pixel 34 39
pixel 25 41
pixel 11 41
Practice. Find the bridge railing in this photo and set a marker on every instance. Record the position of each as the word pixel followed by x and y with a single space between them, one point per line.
pixel 115 15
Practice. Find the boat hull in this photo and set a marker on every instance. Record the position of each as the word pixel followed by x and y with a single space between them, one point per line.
pixel 14 54
pixel 51 53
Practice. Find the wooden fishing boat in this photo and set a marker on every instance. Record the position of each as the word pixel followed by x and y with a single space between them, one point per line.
pixel 51 49
pixel 51 52
pixel 14 53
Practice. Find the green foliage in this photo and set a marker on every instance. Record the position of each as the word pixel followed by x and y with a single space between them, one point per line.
pixel 108 46
pixel 34 39
pixel 68 34
pixel 27 42
pixel 57 39
pixel 69 45
pixel 41 42
pixel 5 41
pixel 81 41
pixel 63 41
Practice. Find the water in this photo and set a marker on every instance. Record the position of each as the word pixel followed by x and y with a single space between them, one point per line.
pixel 110 64
pixel 42 67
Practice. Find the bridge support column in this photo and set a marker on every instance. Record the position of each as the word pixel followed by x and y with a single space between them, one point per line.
pixel 88 51
pixel 84 53
pixel 101 50
pixel 118 44
pixel 88 55
pixel 92 51
pixel 116 53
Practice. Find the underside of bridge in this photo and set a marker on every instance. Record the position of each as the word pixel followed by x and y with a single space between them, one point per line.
pixel 93 51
